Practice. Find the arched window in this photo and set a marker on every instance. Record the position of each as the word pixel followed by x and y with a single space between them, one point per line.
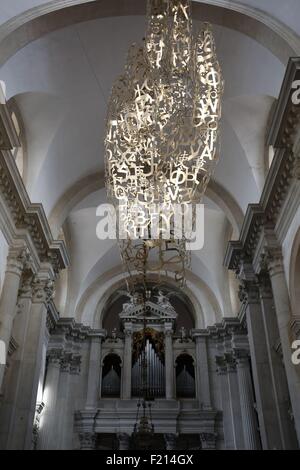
pixel 111 376
pixel 185 377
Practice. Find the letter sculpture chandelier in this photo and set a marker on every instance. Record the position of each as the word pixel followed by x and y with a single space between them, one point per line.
pixel 162 133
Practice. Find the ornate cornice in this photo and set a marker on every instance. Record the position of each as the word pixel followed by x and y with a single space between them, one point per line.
pixel 42 290
pixel 221 365
pixel 68 329
pixel 54 356
pixel 281 135
pixel 228 328
pixel 286 114
pixel 28 216
pixel 17 211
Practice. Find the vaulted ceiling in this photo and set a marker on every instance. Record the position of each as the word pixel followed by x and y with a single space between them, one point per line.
pixel 61 83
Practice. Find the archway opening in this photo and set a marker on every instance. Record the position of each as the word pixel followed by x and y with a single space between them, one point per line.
pixel 185 377
pixel 111 377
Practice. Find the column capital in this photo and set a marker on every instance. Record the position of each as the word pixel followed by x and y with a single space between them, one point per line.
pixel 221 365
pixel 230 362
pixel 128 329
pixel 87 440
pixel 199 335
pixel 97 336
pixel 18 259
pixel 75 366
pixel 65 363
pixel 54 357
pixel 25 289
pixel 273 259
pixel 43 290
pixel 249 291
pixel 241 357
pixel 168 330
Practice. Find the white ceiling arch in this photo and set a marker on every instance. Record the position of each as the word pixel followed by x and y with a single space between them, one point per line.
pixel 186 296
pixel 44 18
pixel 62 83
pixel 88 311
pixel 94 182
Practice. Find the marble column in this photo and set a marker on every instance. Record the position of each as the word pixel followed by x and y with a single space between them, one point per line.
pixel 124 441
pixel 262 378
pixel 32 365
pixel 284 316
pixel 279 379
pixel 13 383
pixel 169 362
pixel 127 362
pixel 68 431
pixel 87 440
pixel 16 260
pixel 93 386
pixel 235 404
pixel 170 441
pixel 48 432
pixel 249 418
pixel 225 400
pixel 208 440
pixel 202 374
pixel 62 400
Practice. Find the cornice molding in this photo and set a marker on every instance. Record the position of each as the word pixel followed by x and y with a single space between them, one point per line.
pixel 68 328
pixel 285 113
pixel 32 24
pixel 281 135
pixel 229 328
pixel 28 216
pixel 18 215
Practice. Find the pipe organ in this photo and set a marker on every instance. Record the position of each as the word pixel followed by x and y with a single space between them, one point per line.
pixel 148 373
pixel 146 348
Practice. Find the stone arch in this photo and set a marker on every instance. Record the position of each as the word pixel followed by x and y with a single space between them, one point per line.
pixel 109 352
pixel 94 182
pixel 111 364
pixel 41 20
pixel 186 370
pixel 115 278
pixel 189 298
pixel 108 316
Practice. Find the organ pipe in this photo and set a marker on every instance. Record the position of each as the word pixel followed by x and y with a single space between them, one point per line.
pixel 155 384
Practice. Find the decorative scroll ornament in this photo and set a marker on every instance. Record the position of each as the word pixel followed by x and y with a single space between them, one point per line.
pixel 162 134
